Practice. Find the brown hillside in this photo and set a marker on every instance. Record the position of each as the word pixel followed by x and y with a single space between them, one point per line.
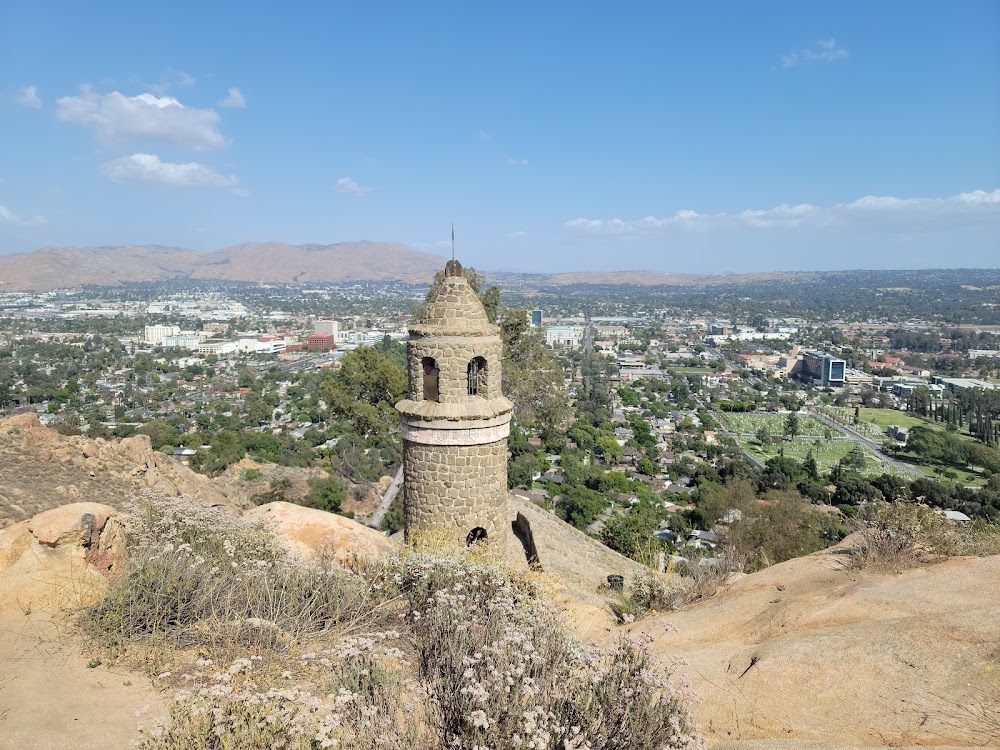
pixel 58 267
pixel 653 278
pixel 344 261
pixel 41 469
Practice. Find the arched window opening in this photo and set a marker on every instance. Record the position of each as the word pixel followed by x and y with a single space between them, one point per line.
pixel 475 536
pixel 430 378
pixel 477 377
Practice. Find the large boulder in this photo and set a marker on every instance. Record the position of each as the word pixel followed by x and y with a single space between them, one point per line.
pixel 28 420
pixel 136 449
pixel 811 651
pixel 60 558
pixel 310 533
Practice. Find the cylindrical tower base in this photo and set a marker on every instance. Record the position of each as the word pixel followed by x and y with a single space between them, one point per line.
pixel 456 494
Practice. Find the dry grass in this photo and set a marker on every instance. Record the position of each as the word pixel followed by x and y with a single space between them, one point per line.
pixel 430 651
pixel 655 592
pixel 898 535
pixel 200 581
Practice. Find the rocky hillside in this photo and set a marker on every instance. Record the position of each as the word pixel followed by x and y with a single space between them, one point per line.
pixel 811 654
pixel 41 469
pixel 805 654
pixel 59 267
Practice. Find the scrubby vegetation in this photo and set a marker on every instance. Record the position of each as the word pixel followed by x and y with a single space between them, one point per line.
pixel 897 535
pixel 197 578
pixel 425 652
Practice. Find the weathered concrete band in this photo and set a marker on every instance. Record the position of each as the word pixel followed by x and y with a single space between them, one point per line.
pixel 458 435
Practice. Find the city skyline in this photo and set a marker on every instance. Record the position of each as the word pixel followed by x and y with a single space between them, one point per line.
pixel 716 138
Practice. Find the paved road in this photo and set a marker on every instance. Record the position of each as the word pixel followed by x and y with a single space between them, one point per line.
pixel 726 433
pixel 867 442
pixel 387 498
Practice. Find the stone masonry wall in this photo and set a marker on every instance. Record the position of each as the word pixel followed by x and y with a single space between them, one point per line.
pixel 452 358
pixel 457 488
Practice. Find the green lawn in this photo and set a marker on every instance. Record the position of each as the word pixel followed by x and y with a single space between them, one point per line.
pixel 962 476
pixel 827 454
pixel 691 370
pixel 885 417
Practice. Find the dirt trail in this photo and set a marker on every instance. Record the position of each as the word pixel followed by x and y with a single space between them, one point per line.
pixel 51 700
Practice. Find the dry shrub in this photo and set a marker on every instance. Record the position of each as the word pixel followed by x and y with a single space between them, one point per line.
pixel 197 577
pixel 357 701
pixel 503 673
pixel 654 592
pixel 898 535
pixel 477 658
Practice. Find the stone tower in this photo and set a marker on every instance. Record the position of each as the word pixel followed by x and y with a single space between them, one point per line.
pixel 455 421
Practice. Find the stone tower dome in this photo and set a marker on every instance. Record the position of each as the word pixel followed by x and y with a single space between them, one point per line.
pixel 455 421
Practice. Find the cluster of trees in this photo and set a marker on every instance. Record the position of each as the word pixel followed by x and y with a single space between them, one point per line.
pixel 846 488
pixel 957 339
pixel 766 528
pixel 945 448
pixel 976 409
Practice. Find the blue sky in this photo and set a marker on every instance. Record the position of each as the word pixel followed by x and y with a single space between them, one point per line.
pixel 696 137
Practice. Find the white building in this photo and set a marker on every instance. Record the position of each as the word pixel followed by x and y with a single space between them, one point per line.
pixel 261 344
pixel 329 327
pixel 569 337
pixel 183 340
pixel 218 348
pixel 154 335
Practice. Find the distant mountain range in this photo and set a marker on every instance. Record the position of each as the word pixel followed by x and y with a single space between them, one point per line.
pixel 60 267
pixel 655 278
pixel 63 267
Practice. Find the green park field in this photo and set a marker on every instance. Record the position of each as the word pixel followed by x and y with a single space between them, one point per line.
pixel 886 417
pixel 826 452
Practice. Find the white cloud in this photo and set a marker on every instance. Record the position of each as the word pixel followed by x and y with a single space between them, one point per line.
pixel 585 225
pixel 116 117
pixel 822 51
pixel 347 185
pixel 28 97
pixel 883 212
pixel 517 162
pixel 483 135
pixel 9 217
pixel 235 99
pixel 149 168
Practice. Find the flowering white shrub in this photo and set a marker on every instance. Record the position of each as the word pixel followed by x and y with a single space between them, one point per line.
pixel 503 673
pixel 476 658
